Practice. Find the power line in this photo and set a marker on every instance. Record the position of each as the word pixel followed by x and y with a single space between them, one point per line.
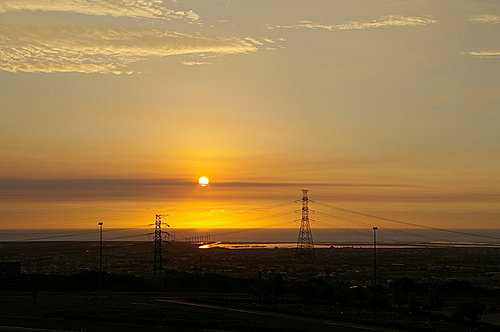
pixel 366 235
pixel 129 236
pixel 265 207
pixel 411 224
pixel 70 235
pixel 243 230
pixel 56 236
pixel 370 225
pixel 344 218
pixel 72 243
pixel 272 206
pixel 343 229
pixel 276 215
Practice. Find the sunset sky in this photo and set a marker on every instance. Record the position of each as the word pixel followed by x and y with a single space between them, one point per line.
pixel 112 109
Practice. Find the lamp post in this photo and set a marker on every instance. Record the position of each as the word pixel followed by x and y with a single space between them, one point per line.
pixel 100 223
pixel 375 256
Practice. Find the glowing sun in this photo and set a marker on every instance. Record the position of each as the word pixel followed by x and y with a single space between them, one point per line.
pixel 203 181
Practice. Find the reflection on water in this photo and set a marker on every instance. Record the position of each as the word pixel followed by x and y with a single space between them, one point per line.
pixel 288 245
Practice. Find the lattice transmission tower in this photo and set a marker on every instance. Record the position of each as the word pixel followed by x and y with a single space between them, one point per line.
pixel 305 244
pixel 158 245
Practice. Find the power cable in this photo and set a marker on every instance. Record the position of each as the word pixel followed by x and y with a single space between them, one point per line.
pixel 411 224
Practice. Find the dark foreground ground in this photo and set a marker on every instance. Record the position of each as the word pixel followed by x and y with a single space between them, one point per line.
pixel 417 289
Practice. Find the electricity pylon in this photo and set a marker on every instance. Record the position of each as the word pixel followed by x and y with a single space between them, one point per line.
pixel 158 245
pixel 305 244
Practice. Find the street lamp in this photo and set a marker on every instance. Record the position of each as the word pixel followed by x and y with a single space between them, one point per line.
pixel 100 223
pixel 375 256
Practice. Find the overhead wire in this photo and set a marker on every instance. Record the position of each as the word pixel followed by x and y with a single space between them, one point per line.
pixel 265 207
pixel 410 223
pixel 245 230
pixel 344 229
pixel 276 215
pixel 74 234
pixel 366 235
pixel 78 244
pixel 370 225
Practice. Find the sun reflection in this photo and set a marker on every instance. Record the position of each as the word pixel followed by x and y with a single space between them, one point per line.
pixel 205 246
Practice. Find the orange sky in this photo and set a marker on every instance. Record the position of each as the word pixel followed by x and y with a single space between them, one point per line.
pixel 113 112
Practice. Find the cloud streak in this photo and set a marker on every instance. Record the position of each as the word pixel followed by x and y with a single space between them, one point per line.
pixel 102 50
pixel 486 18
pixel 139 9
pixel 92 190
pixel 382 22
pixel 55 190
pixel 485 54
pixel 195 63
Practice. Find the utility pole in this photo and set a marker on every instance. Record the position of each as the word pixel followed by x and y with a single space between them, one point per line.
pixel 305 244
pixel 158 245
pixel 375 256
pixel 100 223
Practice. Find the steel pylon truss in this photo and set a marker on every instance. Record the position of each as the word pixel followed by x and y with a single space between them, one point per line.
pixel 305 243
pixel 158 245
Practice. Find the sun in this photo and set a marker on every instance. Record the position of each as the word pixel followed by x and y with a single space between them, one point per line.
pixel 203 181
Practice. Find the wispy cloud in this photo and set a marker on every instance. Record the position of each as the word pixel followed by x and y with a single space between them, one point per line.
pixel 86 190
pixel 102 50
pixel 195 63
pixel 485 54
pixel 486 18
pixel 150 9
pixel 141 189
pixel 382 22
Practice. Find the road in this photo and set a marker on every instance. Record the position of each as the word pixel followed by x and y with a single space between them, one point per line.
pixel 339 326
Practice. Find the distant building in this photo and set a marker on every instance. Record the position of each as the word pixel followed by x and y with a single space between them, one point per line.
pixel 10 270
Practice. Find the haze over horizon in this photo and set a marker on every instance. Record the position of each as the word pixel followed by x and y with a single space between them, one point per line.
pixel 112 110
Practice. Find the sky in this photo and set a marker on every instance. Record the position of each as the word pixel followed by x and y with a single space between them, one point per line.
pixel 112 109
